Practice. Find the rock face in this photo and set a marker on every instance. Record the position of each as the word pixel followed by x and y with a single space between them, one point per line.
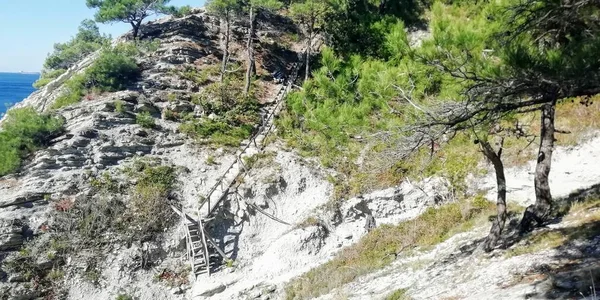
pixel 101 139
pixel 279 222
pixel 280 225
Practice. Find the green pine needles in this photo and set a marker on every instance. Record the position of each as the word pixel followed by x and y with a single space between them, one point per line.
pixel 23 132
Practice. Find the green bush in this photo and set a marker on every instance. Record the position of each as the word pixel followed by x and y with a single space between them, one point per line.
pixel 148 212
pixel 197 76
pixel 399 294
pixel 236 115
pixel 145 120
pixel 23 132
pixel 74 91
pixel 183 11
pixel 119 107
pixel 87 40
pixel 47 77
pixel 113 70
pixel 216 132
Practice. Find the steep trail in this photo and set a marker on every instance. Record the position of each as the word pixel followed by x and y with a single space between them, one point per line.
pixel 254 146
pixel 200 249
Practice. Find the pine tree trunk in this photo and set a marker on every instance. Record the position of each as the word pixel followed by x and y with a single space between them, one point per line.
pixel 307 61
pixel 498 225
pixel 538 213
pixel 250 49
pixel 136 28
pixel 225 49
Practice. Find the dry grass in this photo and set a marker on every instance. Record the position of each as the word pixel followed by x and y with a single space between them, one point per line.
pixel 381 246
pixel 584 212
pixel 538 242
pixel 577 116
pixel 583 221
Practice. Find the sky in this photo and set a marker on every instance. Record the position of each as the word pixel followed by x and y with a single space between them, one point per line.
pixel 29 29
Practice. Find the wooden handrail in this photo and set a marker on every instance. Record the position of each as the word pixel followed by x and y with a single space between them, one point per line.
pixel 265 122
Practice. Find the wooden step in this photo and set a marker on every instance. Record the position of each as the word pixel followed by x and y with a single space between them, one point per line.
pixel 200 272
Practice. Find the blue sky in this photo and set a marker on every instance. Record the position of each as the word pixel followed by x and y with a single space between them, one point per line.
pixel 29 29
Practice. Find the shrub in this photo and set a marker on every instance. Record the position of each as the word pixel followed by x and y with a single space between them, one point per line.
pixel 47 77
pixel 236 115
pixel 74 91
pixel 87 40
pixel 113 70
pixel 91 220
pixel 145 120
pixel 399 294
pixel 200 77
pixel 216 132
pixel 183 11
pixel 23 132
pixel 119 107
pixel 148 213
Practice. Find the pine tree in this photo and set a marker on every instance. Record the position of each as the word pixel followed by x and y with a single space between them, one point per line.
pixel 225 10
pixel 310 14
pixel 128 11
pixel 253 6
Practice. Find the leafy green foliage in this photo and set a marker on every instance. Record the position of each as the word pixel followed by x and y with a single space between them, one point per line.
pixel 359 27
pixel 217 132
pixel 360 92
pixel 47 77
pixel 23 132
pixel 397 295
pixel 178 12
pixel 223 8
pixel 87 40
pixel 145 120
pixel 309 12
pixel 199 77
pixel 234 115
pixel 129 11
pixel 113 70
pixel 65 55
pixel 265 4
pixel 148 213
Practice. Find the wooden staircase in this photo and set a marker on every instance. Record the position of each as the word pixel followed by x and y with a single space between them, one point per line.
pixel 200 257
pixel 221 189
pixel 202 251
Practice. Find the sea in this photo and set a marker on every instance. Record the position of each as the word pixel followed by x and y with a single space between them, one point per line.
pixel 14 87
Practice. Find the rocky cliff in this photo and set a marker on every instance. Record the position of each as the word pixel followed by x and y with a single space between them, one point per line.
pixel 279 228
pixel 84 219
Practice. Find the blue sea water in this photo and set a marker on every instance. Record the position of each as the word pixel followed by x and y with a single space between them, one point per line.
pixel 15 87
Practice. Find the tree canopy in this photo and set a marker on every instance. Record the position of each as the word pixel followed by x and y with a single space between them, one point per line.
pixel 477 66
pixel 87 40
pixel 128 11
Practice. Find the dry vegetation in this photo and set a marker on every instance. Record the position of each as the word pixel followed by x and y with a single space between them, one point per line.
pixel 582 223
pixel 381 246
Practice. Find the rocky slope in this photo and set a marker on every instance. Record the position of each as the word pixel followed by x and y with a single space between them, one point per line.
pixel 279 228
pixel 277 225
pixel 100 140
